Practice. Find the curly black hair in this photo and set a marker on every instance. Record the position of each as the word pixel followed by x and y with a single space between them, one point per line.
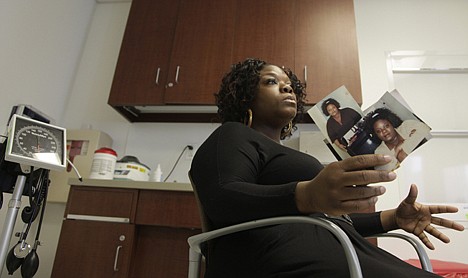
pixel 327 102
pixel 380 114
pixel 239 87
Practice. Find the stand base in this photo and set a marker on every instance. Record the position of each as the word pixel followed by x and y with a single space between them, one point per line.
pixel 13 208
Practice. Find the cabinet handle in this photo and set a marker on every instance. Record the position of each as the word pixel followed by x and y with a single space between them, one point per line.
pixel 98 218
pixel 177 75
pixel 117 251
pixel 305 74
pixel 157 76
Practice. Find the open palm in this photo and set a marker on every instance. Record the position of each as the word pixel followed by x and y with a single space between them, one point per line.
pixel 418 219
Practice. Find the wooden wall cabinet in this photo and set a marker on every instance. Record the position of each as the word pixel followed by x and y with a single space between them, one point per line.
pixel 326 48
pixel 265 30
pixel 143 65
pixel 111 232
pixel 171 53
pixel 201 51
pixel 176 52
pixel 315 38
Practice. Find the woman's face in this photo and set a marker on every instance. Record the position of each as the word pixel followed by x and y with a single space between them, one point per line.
pixel 275 101
pixel 332 110
pixel 384 130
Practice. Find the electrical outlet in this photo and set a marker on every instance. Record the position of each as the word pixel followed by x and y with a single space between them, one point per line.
pixel 190 152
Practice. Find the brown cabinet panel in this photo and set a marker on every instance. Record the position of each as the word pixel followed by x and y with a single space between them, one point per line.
pixel 173 52
pixel 102 202
pixel 167 208
pixel 93 249
pixel 265 30
pixel 326 44
pixel 142 68
pixel 201 52
pixel 159 248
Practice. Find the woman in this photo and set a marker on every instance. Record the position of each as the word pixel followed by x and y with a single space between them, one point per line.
pixel 399 138
pixel 243 172
pixel 341 120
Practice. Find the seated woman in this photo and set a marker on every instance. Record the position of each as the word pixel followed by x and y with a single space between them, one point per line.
pixel 398 138
pixel 243 172
pixel 340 121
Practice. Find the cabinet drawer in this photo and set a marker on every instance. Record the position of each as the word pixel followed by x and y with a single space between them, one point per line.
pixel 167 208
pixel 103 203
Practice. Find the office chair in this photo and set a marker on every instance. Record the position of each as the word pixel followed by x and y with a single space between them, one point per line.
pixel 198 242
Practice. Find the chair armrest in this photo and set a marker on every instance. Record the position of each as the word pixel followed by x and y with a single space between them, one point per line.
pixel 418 247
pixel 351 256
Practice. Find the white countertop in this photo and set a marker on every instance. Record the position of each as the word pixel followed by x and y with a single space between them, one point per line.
pixel 146 185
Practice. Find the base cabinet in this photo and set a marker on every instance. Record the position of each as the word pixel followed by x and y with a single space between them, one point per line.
pixel 110 232
pixel 94 249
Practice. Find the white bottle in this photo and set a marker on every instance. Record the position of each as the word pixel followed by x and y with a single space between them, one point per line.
pixel 157 174
pixel 103 165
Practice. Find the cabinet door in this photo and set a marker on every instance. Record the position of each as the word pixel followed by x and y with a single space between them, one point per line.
pixel 142 68
pixel 93 249
pixel 201 52
pixel 161 252
pixel 326 45
pixel 265 30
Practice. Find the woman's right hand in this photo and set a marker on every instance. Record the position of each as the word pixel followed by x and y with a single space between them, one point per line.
pixel 342 186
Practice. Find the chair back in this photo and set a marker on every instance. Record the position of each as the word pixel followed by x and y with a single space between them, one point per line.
pixel 205 221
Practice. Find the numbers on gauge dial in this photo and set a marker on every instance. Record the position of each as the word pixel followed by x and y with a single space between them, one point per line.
pixel 35 139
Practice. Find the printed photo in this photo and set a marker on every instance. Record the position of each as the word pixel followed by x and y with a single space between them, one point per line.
pixel 335 116
pixel 388 127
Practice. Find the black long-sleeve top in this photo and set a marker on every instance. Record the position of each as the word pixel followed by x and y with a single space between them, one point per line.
pixel 349 117
pixel 243 175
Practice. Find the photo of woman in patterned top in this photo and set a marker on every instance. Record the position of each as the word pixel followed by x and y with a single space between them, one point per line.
pixel 399 137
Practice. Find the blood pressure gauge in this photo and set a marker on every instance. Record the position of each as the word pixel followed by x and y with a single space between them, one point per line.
pixel 35 143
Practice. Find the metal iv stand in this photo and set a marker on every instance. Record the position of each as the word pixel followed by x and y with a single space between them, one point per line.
pixel 13 208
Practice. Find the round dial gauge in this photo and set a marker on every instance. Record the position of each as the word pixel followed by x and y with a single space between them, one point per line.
pixel 34 139
pixel 36 144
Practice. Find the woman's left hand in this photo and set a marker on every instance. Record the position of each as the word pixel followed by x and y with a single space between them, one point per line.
pixel 418 219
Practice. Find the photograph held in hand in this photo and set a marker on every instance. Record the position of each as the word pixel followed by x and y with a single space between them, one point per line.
pixel 387 127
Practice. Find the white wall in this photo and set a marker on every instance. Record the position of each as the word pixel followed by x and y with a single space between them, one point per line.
pixel 410 25
pixel 41 46
pixel 60 55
